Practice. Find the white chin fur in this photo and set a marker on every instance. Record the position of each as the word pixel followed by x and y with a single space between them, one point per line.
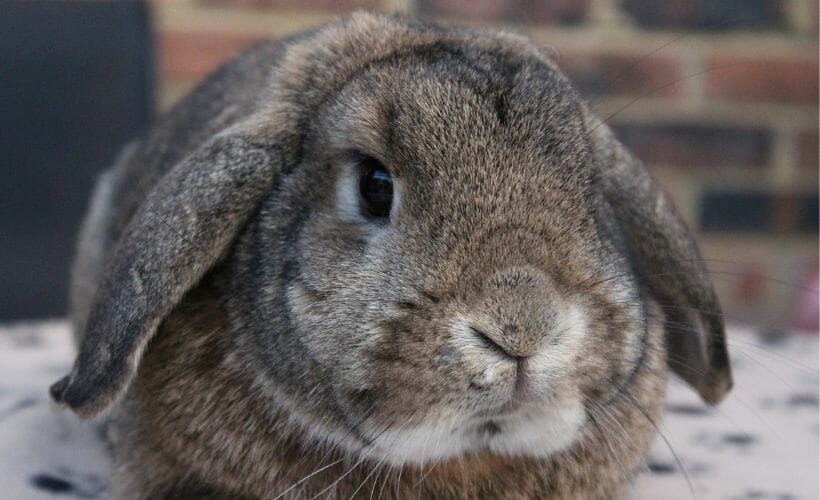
pixel 537 431
pixel 530 432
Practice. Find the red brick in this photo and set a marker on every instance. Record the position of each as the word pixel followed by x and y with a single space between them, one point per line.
pixel 195 55
pixel 762 80
pixel 522 11
pixel 785 212
pixel 807 150
pixel 696 145
pixel 338 6
pixel 555 11
pixel 619 74
pixel 795 212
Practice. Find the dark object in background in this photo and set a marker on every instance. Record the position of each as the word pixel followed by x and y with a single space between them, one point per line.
pixel 708 15
pixel 756 211
pixel 75 85
pixel 567 12
pixel 725 211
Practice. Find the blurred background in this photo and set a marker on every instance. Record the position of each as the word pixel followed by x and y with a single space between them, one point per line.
pixel 718 97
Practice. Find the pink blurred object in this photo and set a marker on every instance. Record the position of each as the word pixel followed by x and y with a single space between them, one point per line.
pixel 752 284
pixel 807 303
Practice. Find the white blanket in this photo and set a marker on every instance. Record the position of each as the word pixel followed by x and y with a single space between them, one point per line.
pixel 762 443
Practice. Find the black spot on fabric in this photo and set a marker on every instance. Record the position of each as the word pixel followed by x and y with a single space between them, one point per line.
pixel 26 339
pixel 52 484
pixel 17 406
pixel 687 409
pixel 765 495
pixel 25 403
pixel 803 400
pixel 772 336
pixel 660 468
pixel 740 439
pixel 73 484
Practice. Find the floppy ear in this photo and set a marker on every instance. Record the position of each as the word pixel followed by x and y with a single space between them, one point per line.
pixel 668 263
pixel 182 228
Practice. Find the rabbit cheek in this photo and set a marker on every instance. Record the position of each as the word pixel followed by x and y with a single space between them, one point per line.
pixel 619 339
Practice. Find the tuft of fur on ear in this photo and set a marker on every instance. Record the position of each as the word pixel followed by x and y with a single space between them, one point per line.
pixel 182 228
pixel 668 264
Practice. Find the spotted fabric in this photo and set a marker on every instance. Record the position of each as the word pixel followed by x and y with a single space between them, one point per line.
pixel 761 443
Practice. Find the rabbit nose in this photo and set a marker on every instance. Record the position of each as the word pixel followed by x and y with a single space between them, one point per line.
pixel 507 341
pixel 517 312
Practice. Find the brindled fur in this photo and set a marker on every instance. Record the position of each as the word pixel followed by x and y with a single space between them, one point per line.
pixel 504 334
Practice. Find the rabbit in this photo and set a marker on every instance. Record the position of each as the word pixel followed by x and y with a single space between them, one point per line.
pixel 385 258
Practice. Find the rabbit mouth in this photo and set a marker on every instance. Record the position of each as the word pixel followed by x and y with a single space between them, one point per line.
pixel 523 397
pixel 505 410
pixel 518 429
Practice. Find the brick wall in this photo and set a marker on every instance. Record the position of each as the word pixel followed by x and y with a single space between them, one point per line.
pixel 718 97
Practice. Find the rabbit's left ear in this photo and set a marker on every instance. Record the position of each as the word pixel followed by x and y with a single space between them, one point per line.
pixel 180 230
pixel 668 264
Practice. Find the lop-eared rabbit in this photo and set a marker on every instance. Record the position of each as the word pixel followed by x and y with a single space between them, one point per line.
pixel 388 259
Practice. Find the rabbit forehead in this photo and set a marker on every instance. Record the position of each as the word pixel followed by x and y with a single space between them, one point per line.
pixel 315 68
pixel 444 104
pixel 467 128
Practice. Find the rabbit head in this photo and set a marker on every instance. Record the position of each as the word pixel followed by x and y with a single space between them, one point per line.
pixel 429 249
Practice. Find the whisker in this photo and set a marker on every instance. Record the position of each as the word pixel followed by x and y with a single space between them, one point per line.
pixel 386 480
pixel 683 329
pixel 666 440
pixel 737 397
pixel 331 448
pixel 334 483
pixel 312 474
pixel 706 271
pixel 610 449
pixel 638 60
pixel 364 481
pixel 664 86
pixel 734 341
pixel 376 479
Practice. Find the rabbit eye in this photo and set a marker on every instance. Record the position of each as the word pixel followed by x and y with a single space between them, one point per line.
pixel 376 188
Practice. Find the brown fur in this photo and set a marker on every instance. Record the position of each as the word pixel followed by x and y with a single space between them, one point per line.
pixel 169 440
pixel 256 335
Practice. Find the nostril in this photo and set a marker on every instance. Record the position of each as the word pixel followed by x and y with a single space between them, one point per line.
pixel 492 345
pixel 487 341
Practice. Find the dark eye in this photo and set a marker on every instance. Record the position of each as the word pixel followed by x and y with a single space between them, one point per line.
pixel 376 188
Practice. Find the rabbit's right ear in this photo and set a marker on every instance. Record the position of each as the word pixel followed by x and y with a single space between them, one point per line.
pixel 182 228
pixel 666 259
